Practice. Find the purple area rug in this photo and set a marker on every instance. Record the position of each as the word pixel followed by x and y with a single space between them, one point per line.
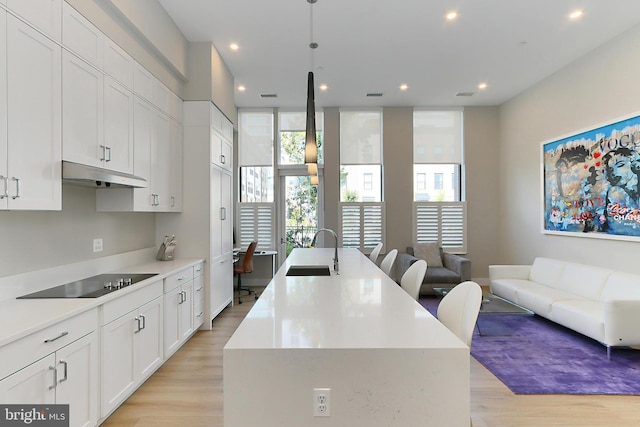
pixel 542 357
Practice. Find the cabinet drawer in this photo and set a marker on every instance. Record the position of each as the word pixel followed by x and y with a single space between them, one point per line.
pixel 121 306
pixel 198 269
pixel 24 351
pixel 177 279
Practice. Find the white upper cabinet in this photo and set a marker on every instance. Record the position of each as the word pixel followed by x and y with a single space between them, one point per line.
pixel 143 83
pixel 82 112
pixel 82 37
pixel 42 14
pixel 31 167
pixel 118 126
pixel 118 64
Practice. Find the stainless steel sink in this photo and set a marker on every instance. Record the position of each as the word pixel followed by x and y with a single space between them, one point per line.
pixel 309 270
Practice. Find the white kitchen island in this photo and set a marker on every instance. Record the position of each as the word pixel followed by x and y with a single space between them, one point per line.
pixel 385 359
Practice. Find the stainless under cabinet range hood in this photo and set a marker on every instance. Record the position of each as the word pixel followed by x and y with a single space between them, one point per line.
pixel 75 173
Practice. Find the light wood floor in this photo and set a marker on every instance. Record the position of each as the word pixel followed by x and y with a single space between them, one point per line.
pixel 187 391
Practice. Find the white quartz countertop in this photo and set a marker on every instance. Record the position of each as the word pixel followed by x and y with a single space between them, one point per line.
pixel 359 308
pixel 20 317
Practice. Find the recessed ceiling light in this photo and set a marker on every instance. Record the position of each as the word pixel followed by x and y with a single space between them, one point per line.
pixel 575 14
pixel 323 87
pixel 482 86
pixel 242 88
pixel 234 46
pixel 404 86
pixel 452 15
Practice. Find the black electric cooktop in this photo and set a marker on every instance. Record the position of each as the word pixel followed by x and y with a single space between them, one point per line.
pixel 91 287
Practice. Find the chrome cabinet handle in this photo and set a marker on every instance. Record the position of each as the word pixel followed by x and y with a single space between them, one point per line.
pixel 144 321
pixel 180 297
pixel 17 180
pixel 63 334
pixel 104 153
pixel 157 198
pixel 6 187
pixel 200 288
pixel 223 159
pixel 55 377
pixel 223 213
pixel 137 319
pixel 108 159
pixel 65 377
pixel 173 201
pixel 200 314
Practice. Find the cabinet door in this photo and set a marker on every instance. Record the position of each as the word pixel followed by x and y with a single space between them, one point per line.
pixel 226 155
pixel 81 36
pixel 217 213
pixel 160 163
pixel 34 384
pixel 148 345
pixel 226 231
pixel 45 15
pixel 175 167
pixel 118 377
pixel 78 380
pixel 143 123
pixel 82 117
pixel 34 151
pixel 221 284
pixel 216 148
pixel 4 163
pixel 118 126
pixel 171 315
pixel 198 301
pixel 186 311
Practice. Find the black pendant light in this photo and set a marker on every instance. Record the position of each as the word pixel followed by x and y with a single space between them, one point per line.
pixel 311 146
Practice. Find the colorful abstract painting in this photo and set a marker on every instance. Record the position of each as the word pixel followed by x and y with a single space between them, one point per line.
pixel 590 181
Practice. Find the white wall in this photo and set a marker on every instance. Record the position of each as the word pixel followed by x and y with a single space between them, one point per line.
pixel 598 88
pixel 34 240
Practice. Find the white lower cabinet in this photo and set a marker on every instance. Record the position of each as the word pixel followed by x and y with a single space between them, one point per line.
pixel 198 296
pixel 178 310
pixel 131 344
pixel 68 375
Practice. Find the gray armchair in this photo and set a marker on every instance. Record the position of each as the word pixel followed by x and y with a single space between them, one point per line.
pixel 456 269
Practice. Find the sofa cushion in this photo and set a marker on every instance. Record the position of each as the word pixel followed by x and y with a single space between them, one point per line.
pixel 581 315
pixel 508 288
pixel 583 280
pixel 429 252
pixel 621 286
pixel 440 275
pixel 539 298
pixel 546 271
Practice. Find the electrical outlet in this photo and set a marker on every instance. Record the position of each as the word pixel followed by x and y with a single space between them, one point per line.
pixel 321 402
pixel 97 245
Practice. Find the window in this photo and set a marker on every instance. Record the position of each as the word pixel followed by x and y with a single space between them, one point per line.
pixel 254 218
pixel 367 180
pixel 362 225
pixel 362 209
pixel 437 152
pixel 437 181
pixel 442 222
pixel 360 155
pixel 439 209
pixel 292 134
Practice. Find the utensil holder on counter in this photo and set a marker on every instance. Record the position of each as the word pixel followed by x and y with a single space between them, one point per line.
pixel 165 253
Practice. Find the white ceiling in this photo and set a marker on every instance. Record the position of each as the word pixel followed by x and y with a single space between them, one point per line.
pixel 375 45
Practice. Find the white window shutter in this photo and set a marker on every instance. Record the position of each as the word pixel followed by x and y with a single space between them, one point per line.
pixel 362 224
pixel 256 222
pixel 442 222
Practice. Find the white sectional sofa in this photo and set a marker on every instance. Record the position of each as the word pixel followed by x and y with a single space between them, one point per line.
pixel 600 303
